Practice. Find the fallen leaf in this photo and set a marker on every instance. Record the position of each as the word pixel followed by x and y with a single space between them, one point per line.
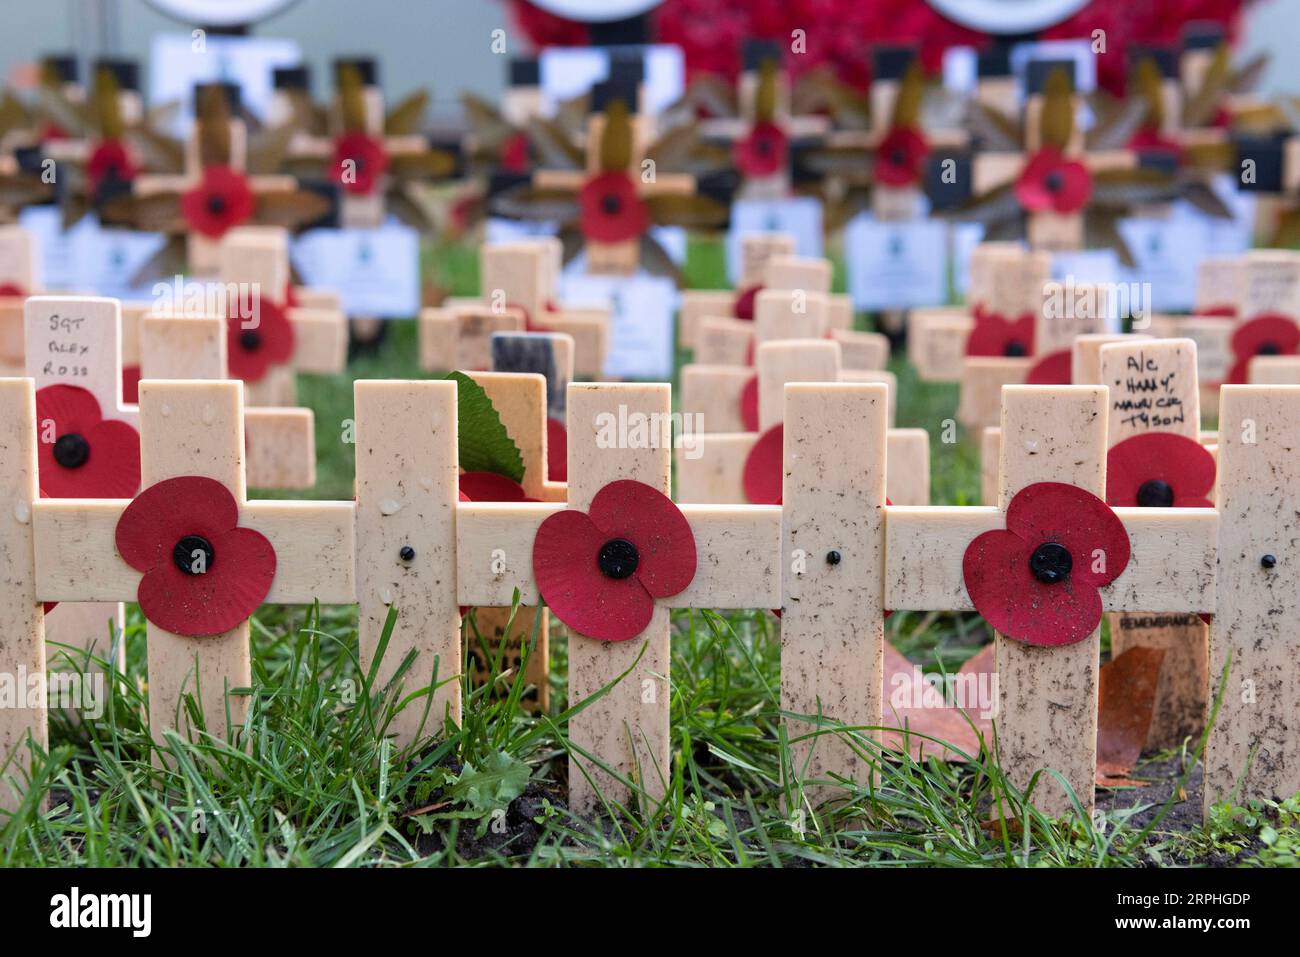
pixel 1126 700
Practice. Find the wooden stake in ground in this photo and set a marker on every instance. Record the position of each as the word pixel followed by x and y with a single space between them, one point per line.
pixel 17 282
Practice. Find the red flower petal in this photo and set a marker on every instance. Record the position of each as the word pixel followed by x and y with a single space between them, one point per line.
pixel 109 160
pixel 763 152
pixel 112 466
pixel 166 512
pixel 1077 519
pixel 516 153
pixel 131 385
pixel 1268 334
pixel 612 212
pixel 557 451
pixel 221 200
pixel 569 580
pixel 1056 368
pixel 360 161
pixel 1051 183
pixel 744 307
pixel 1182 463
pixel 253 345
pixel 12 290
pixel 899 157
pixel 648 519
pixel 491 487
pixel 214 602
pixel 993 335
pixel 764 468
pixel 749 405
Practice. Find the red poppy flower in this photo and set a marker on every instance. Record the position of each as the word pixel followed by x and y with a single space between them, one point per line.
pixel 1271 334
pixel 222 200
pixel 516 153
pixel 254 345
pixel 81 454
pixel 12 290
pixel 749 405
pixel 359 162
pixel 109 163
pixel 763 152
pixel 1159 469
pixel 900 157
pixel 131 385
pixel 612 212
pixel 993 335
pixel 1218 312
pixel 1055 368
pixel 1149 139
pixel 557 451
pixel 1051 183
pixel 600 571
pixel 1036 580
pixel 490 487
pixel 762 475
pixel 745 299
pixel 203 574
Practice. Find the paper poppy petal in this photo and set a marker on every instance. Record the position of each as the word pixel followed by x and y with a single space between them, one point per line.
pixel 612 212
pixel 166 512
pixel 763 152
pixel 1183 463
pixel 899 156
pixel 1053 369
pixel 1076 188
pixel 113 468
pixel 70 407
pixel 490 487
pixel 992 335
pixel 557 451
pixel 1079 521
pixel 744 306
pixel 569 580
pixel 749 405
pixel 764 467
pixel 648 519
pixel 131 385
pixel 198 606
pixel 995 568
pixel 1271 334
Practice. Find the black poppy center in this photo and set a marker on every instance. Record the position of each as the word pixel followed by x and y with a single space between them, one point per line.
pixel 71 450
pixel 193 555
pixel 898 157
pixel 1054 181
pixel 1155 494
pixel 611 204
pixel 618 558
pixel 1015 348
pixel 1051 563
pixel 216 204
pixel 1268 349
pixel 250 339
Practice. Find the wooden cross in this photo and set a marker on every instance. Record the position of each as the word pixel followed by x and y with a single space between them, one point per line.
pixel 698 304
pixel 710 466
pixel 519 282
pixel 194 428
pixel 18 280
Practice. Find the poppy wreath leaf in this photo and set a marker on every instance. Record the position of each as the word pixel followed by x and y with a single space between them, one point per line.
pixel 407 116
pixel 1200 107
pixel 765 95
pixel 907 104
pixel 484 445
pixel 554 147
pixel 1057 119
pixel 616 138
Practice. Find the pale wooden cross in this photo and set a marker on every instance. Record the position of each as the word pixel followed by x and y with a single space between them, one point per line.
pixel 698 304
pixel 195 428
pixel 710 466
pixel 519 282
pixel 18 258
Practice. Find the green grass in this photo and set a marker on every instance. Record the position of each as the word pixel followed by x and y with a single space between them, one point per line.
pixel 315 781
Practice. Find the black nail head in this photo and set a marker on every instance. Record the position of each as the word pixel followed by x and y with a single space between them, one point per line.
pixel 1054 182
pixel 617 558
pixel 183 555
pixel 1051 563
pixel 1155 494
pixel 1015 348
pixel 1269 349
pixel 216 205
pixel 71 450
pixel 611 204
pixel 250 339
pixel 1268 561
pixel 407 553
pixel 833 557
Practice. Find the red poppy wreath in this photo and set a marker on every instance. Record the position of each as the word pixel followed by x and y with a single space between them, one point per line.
pixel 1037 580
pixel 202 574
pixel 600 571
pixel 81 454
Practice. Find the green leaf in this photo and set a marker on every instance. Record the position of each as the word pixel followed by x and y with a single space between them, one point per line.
pixel 484 443
pixel 501 780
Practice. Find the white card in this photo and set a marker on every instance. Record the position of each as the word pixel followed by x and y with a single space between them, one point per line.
pixel 962 240
pixel 1228 237
pixel 1168 253
pixel 1086 265
pixel 673 239
pixel 641 327
pixel 896 265
pixel 376 271
pixel 800 217
pixel 569 72
pixel 175 65
pixel 57 266
pixel 110 259
pixel 497 230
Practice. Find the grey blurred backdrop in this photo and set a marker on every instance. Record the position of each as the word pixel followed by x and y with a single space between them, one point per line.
pixel 441 44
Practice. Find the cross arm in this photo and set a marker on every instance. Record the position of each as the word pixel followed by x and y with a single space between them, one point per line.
pixel 1172 567
pixel 314 548
pixel 737 554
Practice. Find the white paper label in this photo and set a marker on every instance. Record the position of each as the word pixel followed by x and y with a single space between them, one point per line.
pixel 376 271
pixel 641 327
pixel 800 218
pixel 896 265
